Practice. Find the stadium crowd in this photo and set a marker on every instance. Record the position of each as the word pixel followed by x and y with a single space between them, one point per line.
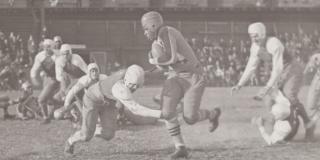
pixel 15 59
pixel 224 59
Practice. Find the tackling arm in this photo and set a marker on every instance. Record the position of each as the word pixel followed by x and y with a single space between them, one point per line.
pixel 125 97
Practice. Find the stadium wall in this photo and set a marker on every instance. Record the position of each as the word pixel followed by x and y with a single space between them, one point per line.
pixel 118 33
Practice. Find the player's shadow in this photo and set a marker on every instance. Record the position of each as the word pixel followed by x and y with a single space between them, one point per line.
pixel 165 152
pixel 150 152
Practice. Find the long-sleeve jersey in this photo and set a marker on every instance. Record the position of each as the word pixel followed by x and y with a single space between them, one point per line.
pixel 257 53
pixel 44 62
pixel 83 83
pixel 114 88
pixel 280 131
pixel 180 56
pixel 75 67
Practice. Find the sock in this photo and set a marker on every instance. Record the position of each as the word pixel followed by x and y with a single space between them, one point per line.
pixel 203 114
pixel 174 131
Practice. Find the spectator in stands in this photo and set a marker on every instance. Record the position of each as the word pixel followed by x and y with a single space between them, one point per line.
pixel 31 48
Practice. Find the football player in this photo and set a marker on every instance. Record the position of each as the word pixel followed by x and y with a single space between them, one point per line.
pixel 172 53
pixel 286 74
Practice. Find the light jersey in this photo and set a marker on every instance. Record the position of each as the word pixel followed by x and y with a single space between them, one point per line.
pixel 46 63
pixel 181 56
pixel 279 59
pixel 114 88
pixel 85 82
pixel 281 130
pixel 101 90
pixel 75 67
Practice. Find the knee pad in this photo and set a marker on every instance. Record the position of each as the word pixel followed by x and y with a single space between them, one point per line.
pixel 172 89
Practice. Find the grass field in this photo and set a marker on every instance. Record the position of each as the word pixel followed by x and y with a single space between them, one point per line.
pixel 235 138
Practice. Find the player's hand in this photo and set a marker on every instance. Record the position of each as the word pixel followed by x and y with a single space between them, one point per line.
pixel 59 113
pixel 262 93
pixel 235 89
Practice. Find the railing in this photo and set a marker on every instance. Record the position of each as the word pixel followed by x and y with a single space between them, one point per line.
pixel 163 3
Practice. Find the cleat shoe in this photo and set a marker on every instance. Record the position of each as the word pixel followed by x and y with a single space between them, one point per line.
pixel 180 152
pixel 68 148
pixel 214 119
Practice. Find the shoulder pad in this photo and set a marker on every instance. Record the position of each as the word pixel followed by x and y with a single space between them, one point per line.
pixel 273 43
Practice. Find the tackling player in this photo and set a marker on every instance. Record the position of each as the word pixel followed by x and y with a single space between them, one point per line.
pixel 100 101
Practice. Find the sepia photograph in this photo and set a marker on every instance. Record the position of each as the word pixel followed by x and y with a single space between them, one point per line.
pixel 159 79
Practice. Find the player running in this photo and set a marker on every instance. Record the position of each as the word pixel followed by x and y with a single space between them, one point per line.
pixel 171 53
pixel 45 61
pixel 69 68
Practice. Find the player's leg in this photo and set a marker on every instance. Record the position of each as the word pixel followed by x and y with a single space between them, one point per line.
pixel 108 121
pixel 171 95
pixel 47 92
pixel 312 104
pixel 291 88
pixel 88 127
pixel 192 100
pixel 314 95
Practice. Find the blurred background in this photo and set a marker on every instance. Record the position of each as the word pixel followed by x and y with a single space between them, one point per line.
pixel 109 32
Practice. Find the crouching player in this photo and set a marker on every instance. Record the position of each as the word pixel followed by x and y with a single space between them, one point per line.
pixel 100 100
pixel 27 105
pixel 172 53
pixel 286 122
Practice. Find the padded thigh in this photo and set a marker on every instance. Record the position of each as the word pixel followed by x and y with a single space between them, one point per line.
pixel 172 88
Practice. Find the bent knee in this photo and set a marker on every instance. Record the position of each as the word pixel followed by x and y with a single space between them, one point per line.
pixel 190 119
